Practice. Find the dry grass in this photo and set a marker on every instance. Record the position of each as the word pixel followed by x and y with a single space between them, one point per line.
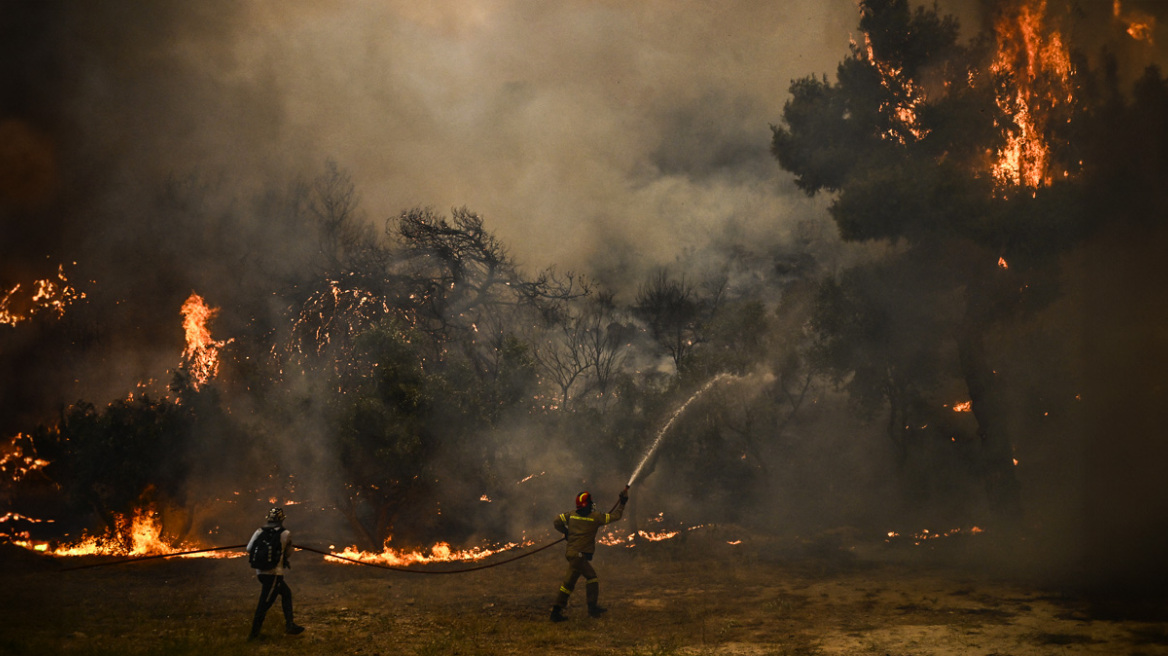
pixel 692 598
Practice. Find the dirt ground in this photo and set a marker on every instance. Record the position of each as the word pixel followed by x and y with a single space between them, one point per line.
pixel 700 595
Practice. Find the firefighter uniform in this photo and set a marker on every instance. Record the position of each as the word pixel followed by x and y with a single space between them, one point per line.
pixel 580 527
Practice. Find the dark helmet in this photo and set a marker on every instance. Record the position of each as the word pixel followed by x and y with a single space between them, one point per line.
pixel 276 516
pixel 583 500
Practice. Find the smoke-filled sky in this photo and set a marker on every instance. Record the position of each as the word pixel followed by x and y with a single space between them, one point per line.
pixel 593 136
pixel 585 132
pixel 576 128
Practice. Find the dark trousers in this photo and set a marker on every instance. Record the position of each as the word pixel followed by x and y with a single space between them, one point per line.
pixel 579 566
pixel 272 586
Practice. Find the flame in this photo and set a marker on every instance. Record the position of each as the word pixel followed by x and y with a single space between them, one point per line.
pixel 438 553
pixel 140 535
pixel 530 477
pixel 964 406
pixel 48 295
pixel 907 97
pixel 621 537
pixel 201 355
pixel 339 312
pixel 14 535
pixel 925 535
pixel 1139 25
pixel 15 463
pixel 1035 69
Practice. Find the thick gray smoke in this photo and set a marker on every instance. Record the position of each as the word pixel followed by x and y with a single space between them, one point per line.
pixel 153 149
pixel 593 137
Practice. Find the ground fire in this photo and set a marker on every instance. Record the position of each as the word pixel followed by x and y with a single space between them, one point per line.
pixel 799 372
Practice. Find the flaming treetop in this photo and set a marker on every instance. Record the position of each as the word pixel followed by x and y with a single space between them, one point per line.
pixel 1034 68
pixel 201 355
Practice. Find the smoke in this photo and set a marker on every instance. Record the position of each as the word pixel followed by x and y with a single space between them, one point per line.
pixel 162 148
pixel 591 135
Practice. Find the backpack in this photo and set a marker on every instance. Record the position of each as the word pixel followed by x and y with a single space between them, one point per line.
pixel 266 551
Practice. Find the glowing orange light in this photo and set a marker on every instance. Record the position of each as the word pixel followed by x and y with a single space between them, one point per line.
pixel 140 535
pixel 1036 64
pixel 48 295
pixel 201 355
pixel 1139 25
pixel 438 553
pixel 965 406
pixel 906 97
pixel 1002 264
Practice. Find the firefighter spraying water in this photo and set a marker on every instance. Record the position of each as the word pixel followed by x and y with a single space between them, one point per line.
pixel 579 529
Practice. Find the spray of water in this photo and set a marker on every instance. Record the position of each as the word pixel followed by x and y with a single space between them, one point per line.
pixel 672 418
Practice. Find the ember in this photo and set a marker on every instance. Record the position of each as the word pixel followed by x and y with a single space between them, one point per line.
pixel 19 459
pixel 47 296
pixel 925 535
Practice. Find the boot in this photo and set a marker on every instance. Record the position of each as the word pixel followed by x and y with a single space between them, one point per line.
pixel 294 629
pixel 593 592
pixel 558 614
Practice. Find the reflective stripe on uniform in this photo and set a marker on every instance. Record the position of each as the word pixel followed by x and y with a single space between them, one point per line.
pixel 587 581
pixel 587 519
pixel 565 590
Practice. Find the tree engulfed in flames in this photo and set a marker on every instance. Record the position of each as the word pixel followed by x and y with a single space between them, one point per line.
pixel 48 296
pixel 1034 67
pixel 906 97
pixel 201 355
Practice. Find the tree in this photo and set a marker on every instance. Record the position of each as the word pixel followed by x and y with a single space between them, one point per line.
pixel 113 461
pixel 900 139
pixel 459 278
pixel 673 312
pixel 383 434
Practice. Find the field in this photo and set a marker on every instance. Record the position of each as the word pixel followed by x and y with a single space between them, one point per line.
pixel 700 595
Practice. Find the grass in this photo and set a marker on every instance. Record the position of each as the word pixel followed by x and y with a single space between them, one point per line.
pixel 695 602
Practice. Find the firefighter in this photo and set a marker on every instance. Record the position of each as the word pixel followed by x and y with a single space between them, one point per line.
pixel 580 527
pixel 270 572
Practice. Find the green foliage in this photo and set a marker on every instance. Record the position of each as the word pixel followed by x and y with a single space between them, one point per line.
pixel 106 460
pixel 382 434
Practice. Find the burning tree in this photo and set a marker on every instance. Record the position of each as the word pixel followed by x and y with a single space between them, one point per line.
pixel 973 161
